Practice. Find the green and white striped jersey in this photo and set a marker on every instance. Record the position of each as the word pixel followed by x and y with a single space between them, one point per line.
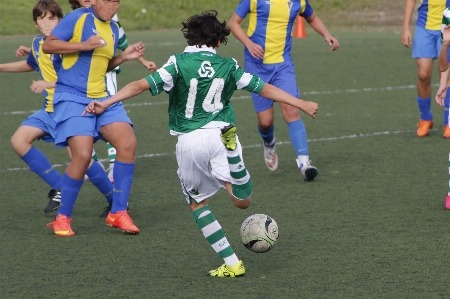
pixel 200 84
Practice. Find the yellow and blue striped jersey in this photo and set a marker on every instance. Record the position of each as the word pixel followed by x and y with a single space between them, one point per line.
pixel 84 72
pixel 430 13
pixel 270 26
pixel 47 65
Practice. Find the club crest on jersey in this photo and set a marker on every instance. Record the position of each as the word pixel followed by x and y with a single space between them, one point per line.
pixel 95 31
pixel 36 53
pixel 206 70
pixel 289 4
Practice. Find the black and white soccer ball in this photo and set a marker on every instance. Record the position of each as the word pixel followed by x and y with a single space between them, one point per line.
pixel 259 233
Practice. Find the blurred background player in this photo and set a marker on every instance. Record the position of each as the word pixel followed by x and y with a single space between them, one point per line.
pixel 111 83
pixel 41 125
pixel 443 93
pixel 200 84
pixel 268 55
pixel 86 38
pixel 426 46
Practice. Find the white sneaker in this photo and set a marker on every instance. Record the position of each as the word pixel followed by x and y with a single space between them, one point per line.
pixel 270 156
pixel 111 173
pixel 86 178
pixel 308 171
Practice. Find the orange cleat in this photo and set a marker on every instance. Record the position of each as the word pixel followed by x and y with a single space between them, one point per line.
pixel 123 221
pixel 61 226
pixel 423 127
pixel 446 130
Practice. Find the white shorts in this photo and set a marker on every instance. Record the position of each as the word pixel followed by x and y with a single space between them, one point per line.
pixel 202 163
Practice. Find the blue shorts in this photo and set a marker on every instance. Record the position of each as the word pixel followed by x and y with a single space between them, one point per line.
pixel 69 121
pixel 282 75
pixel 44 121
pixel 426 43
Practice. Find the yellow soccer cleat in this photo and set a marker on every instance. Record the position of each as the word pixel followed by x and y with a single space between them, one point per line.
pixel 229 137
pixel 228 271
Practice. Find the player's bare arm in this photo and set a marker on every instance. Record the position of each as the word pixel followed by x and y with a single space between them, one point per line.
pixel 235 26
pixel 406 33
pixel 130 90
pixel 16 67
pixel 149 65
pixel 316 23
pixel 132 52
pixel 275 94
pixel 52 45
pixel 443 54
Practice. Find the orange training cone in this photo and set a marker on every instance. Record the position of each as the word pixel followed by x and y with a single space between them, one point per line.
pixel 299 31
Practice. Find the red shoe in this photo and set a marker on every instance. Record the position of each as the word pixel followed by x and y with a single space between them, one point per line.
pixel 446 132
pixel 61 226
pixel 447 202
pixel 423 127
pixel 123 221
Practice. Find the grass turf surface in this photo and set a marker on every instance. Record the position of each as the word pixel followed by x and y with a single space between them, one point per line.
pixel 372 224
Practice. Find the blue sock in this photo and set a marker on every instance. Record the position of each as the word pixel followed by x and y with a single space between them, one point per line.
pixel 123 178
pixel 69 192
pixel 99 178
pixel 39 164
pixel 267 136
pixel 425 108
pixel 446 106
pixel 297 132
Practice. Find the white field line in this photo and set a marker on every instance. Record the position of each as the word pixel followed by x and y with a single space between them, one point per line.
pixel 367 89
pixel 360 135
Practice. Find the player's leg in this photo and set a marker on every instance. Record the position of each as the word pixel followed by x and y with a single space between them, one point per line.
pixel 112 152
pixel 424 50
pixel 446 128
pixel 285 79
pixel 264 112
pixel 117 129
pixel 40 125
pixel 77 132
pixel 199 154
pixel 240 186
pixel 111 85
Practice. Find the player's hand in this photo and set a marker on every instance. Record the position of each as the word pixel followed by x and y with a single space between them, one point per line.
pixel 332 42
pixel 94 42
pixel 134 51
pixel 22 51
pixel 39 86
pixel 95 108
pixel 255 50
pixel 406 38
pixel 150 65
pixel 310 108
pixel 440 95
pixel 446 34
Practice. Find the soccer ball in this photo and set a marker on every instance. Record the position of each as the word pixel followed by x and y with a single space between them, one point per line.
pixel 259 233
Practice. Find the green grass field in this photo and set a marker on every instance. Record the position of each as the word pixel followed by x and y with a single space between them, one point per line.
pixel 372 224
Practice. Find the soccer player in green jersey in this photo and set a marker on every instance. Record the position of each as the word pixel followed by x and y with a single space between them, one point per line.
pixel 200 84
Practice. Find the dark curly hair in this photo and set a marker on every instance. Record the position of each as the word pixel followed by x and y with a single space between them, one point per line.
pixel 74 4
pixel 205 29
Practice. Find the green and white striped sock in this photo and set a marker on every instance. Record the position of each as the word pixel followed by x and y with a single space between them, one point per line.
pixel 240 178
pixel 94 155
pixel 111 152
pixel 215 235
